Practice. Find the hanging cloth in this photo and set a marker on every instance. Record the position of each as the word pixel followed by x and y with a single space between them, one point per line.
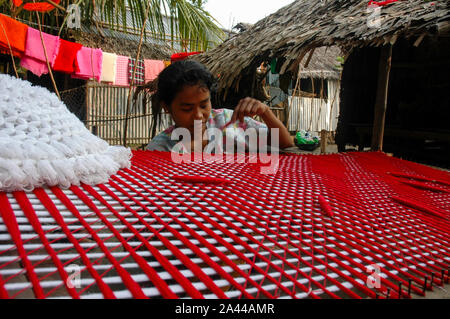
pixel 12 33
pixel 139 75
pixel 122 71
pixel 89 64
pixel 34 57
pixel 37 6
pixel 273 66
pixel 65 59
pixel 109 66
pixel 152 69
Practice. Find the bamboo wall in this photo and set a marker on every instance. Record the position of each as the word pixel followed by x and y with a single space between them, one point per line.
pixel 106 112
pixel 314 114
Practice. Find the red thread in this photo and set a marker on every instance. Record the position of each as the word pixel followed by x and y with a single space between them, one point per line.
pixel 222 241
pixel 51 208
pixel 198 237
pixel 166 292
pixel 3 292
pixel 294 221
pixel 186 260
pixel 25 204
pixel 266 228
pixel 11 223
pixel 184 282
pixel 231 235
pixel 325 206
pixel 419 178
pixel 200 179
pixel 418 206
pixel 134 288
pixel 425 186
pixel 354 218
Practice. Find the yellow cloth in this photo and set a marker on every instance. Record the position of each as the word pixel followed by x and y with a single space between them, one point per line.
pixel 109 66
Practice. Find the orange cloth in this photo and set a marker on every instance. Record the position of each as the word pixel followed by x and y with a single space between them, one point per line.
pixel 15 32
pixel 167 63
pixel 38 6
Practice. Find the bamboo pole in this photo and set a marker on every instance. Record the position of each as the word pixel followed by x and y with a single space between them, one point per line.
pixel 296 87
pixel 338 85
pixel 312 103
pixel 55 5
pixel 133 76
pixel 323 141
pixel 381 97
pixel 10 50
pixel 46 56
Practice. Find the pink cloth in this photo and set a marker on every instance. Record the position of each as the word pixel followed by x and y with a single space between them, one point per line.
pixel 152 69
pixel 89 62
pixel 34 56
pixel 122 71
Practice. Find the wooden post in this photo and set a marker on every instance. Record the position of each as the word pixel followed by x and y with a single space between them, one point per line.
pixel 130 91
pixel 384 69
pixel 323 141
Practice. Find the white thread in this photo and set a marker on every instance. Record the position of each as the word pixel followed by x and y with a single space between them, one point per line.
pixel 43 143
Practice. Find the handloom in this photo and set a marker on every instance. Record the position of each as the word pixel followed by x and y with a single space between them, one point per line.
pixel 349 225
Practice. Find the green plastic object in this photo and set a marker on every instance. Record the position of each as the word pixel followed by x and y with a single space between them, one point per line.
pixel 305 141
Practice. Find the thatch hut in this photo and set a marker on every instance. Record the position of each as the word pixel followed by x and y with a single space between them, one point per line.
pixel 313 101
pixel 404 34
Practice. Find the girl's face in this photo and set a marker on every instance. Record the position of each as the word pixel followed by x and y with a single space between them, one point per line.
pixel 192 103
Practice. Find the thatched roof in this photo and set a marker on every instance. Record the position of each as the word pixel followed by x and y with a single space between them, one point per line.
pixel 323 64
pixel 242 26
pixel 294 30
pixel 124 44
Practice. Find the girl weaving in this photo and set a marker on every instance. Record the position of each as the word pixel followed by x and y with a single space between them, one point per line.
pixel 183 90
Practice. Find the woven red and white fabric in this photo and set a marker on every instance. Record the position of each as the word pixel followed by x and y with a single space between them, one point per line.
pixel 136 71
pixel 351 225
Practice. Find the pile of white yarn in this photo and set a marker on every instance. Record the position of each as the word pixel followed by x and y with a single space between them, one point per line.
pixel 43 144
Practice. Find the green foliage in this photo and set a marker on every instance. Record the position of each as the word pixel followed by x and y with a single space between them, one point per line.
pixel 199 3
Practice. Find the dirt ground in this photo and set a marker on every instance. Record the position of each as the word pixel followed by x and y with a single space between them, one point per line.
pixel 437 293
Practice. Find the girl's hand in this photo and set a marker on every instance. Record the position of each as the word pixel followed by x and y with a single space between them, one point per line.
pixel 249 107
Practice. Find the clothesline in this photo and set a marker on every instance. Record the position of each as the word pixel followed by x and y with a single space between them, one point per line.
pixel 75 59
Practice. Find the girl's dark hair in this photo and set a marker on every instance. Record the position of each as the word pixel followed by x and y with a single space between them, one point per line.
pixel 180 74
pixel 170 82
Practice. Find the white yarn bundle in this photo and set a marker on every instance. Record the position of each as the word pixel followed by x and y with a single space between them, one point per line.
pixel 43 143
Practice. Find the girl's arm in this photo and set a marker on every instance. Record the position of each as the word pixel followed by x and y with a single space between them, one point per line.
pixel 251 107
